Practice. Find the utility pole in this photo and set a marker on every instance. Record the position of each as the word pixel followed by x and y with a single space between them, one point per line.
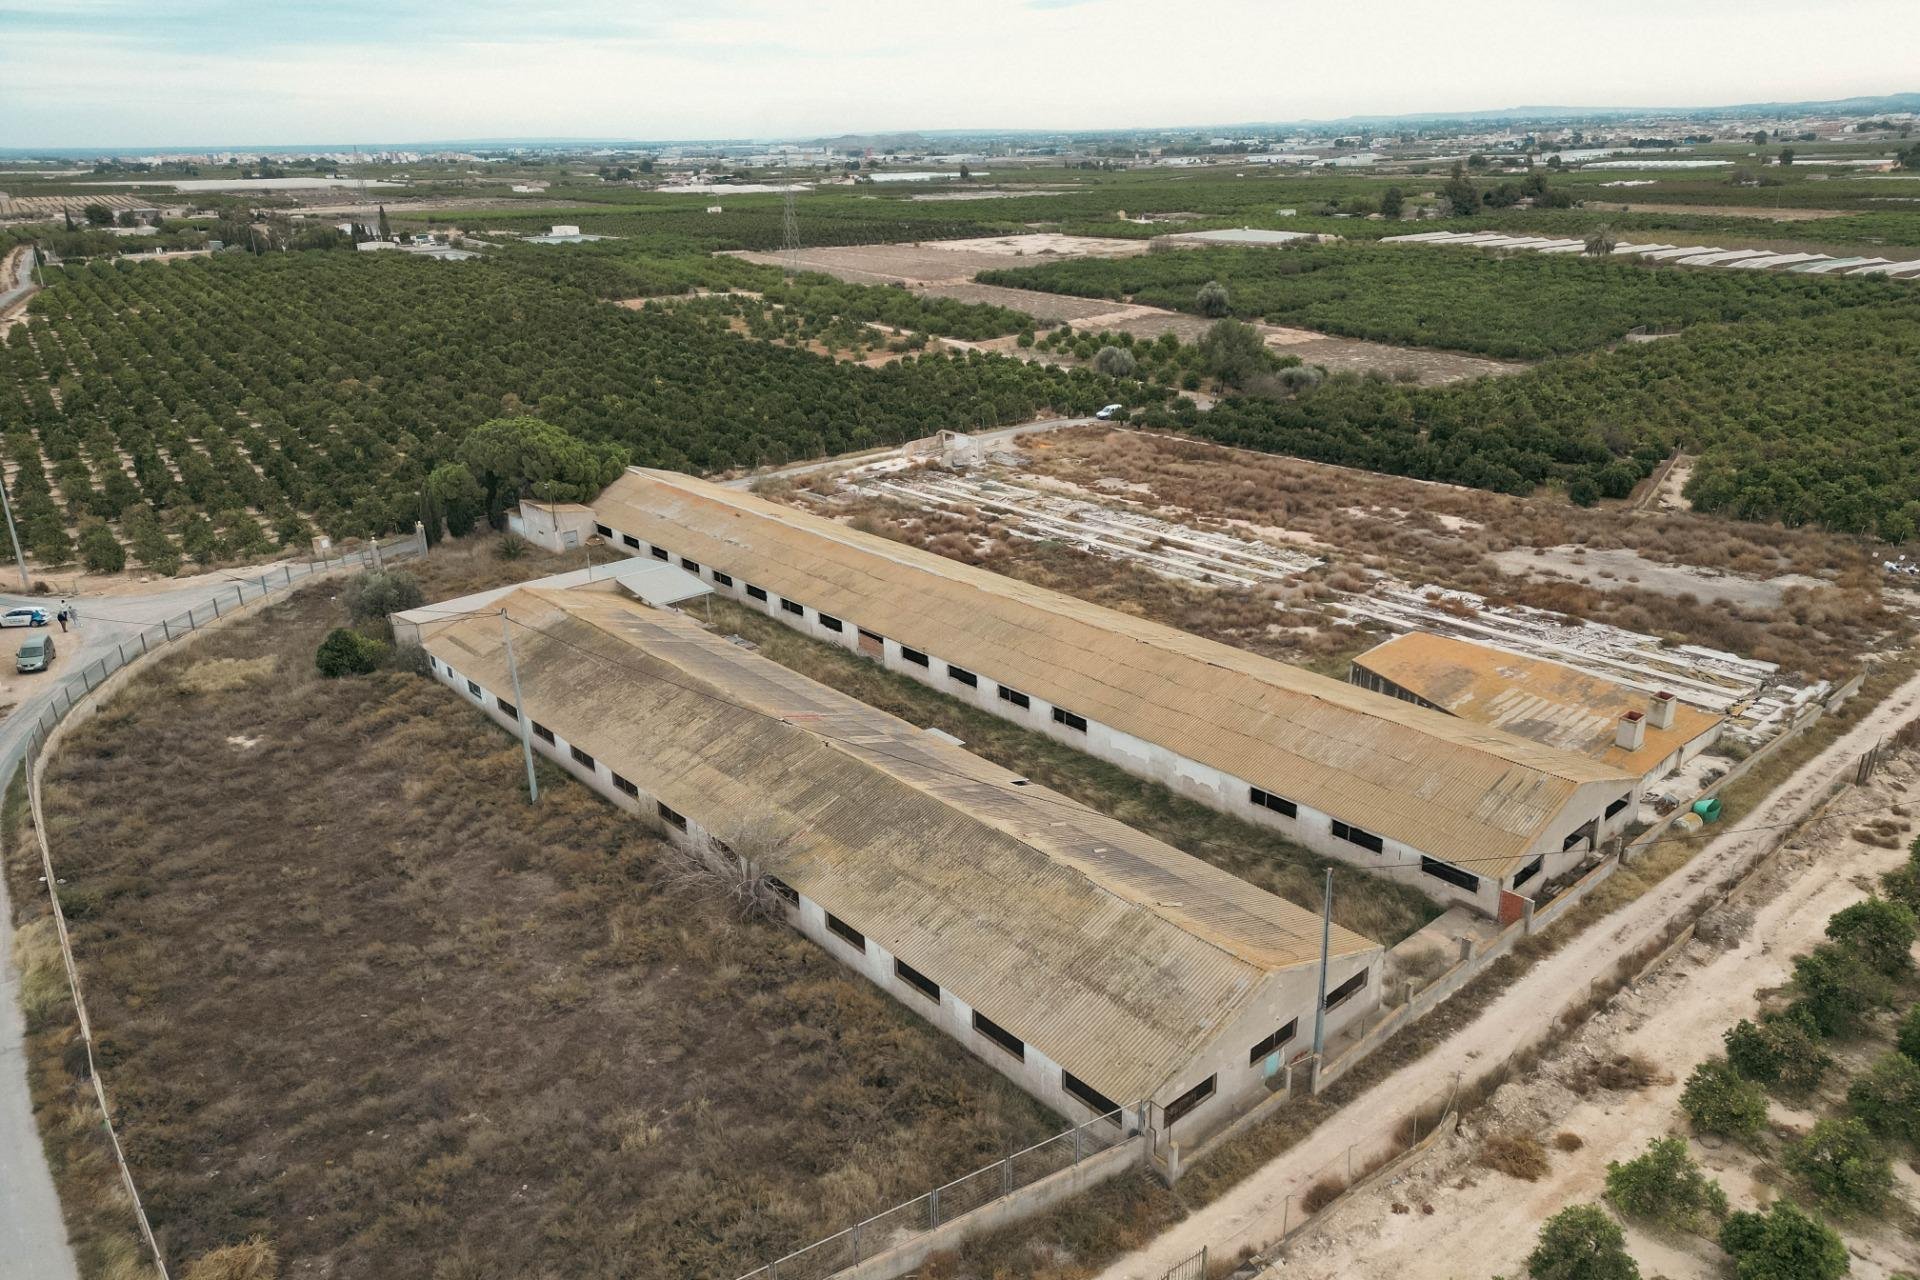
pixel 18 559
pixel 526 721
pixel 1326 943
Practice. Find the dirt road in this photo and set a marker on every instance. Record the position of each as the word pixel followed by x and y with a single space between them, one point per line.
pixel 1249 1216
pixel 1485 1223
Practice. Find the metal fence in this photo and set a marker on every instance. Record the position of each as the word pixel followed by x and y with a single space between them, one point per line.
pixel 86 680
pixel 76 685
pixel 1194 1268
pixel 900 1224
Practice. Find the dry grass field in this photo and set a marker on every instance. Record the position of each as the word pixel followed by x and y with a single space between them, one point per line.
pixel 356 998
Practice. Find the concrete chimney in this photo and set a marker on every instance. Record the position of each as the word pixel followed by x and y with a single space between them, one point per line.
pixel 1660 710
pixel 1632 733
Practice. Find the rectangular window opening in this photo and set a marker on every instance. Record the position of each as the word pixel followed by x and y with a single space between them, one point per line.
pixel 1187 1101
pixel 756 593
pixel 793 606
pixel 829 622
pixel 1090 1097
pixel 507 709
pixel 1269 1043
pixel 1279 804
pixel 1347 990
pixel 580 757
pixel 668 816
pixel 1062 716
pixel 691 566
pixel 784 891
pixel 659 553
pixel 1014 696
pixel 630 540
pixel 1529 871
pixel 1451 874
pixel 724 579
pixel 993 1031
pixel 474 689
pixel 914 656
pixel 1619 804
pixel 1354 835
pixel 603 531
pixel 846 932
pixel 543 733
pixel 624 787
pixel 917 980
pixel 963 676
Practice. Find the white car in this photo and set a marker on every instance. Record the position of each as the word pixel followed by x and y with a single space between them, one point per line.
pixel 1109 411
pixel 23 618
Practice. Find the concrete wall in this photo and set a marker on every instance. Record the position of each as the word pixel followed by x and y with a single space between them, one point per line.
pixel 1196 781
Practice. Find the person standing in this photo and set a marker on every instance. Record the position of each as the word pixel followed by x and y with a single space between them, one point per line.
pixel 62 616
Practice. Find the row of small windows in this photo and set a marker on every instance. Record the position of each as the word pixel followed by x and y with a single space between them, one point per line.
pixel 1529 871
pixel 1354 835
pixel 1268 1044
pixel 793 606
pixel 1279 804
pixel 1619 804
pixel 1014 696
pixel 1346 990
pixel 1451 874
pixel 1063 716
pixel 914 656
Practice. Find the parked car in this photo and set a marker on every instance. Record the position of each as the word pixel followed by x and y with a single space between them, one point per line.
pixel 23 618
pixel 36 654
pixel 1109 411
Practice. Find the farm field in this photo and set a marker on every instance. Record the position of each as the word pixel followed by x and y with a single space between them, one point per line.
pixel 355 999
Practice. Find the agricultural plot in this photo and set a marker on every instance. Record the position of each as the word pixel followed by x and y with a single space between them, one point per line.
pixel 339 383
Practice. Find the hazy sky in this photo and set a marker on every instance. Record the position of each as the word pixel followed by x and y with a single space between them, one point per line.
pixel 219 72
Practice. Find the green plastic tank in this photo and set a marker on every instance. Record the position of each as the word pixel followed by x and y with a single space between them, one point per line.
pixel 1708 809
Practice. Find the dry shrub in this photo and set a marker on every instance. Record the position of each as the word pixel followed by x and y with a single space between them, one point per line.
pixel 224 675
pixel 1322 1193
pixel 253 1259
pixel 1624 1072
pixel 1516 1155
pixel 1564 1141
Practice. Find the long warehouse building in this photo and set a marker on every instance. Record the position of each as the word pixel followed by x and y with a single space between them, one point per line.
pixel 1467 812
pixel 1095 966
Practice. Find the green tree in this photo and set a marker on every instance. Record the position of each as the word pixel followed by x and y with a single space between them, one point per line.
pixel 378 594
pixel 1211 300
pixel 100 551
pixel 1718 1100
pixel 1887 1097
pixel 1460 196
pixel 1664 1185
pixel 348 653
pixel 1392 202
pixel 99 215
pixel 1786 155
pixel 1115 362
pixel 1844 1166
pixel 1780 1050
pixel 386 228
pixel 460 498
pixel 1581 1243
pixel 1784 1243
pixel 1880 932
pixel 1233 352
pixel 516 457
pixel 1837 988
pixel 1601 241
pixel 1908 1040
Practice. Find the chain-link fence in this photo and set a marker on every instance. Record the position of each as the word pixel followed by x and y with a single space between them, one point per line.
pixel 1367 1155
pixel 85 681
pixel 900 1224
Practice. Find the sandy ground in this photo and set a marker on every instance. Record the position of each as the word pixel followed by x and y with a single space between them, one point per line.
pixel 13 685
pixel 1485 1222
pixel 945 269
pixel 1781 214
pixel 1250 1215
pixel 1622 567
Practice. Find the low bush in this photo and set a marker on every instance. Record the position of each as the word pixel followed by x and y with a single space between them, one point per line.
pixel 1564 1141
pixel 1887 1097
pixel 1321 1194
pixel 1665 1185
pixel 1719 1100
pixel 378 594
pixel 253 1259
pixel 1516 1155
pixel 1784 1243
pixel 346 652
pixel 1843 1165
pixel 1908 1038
pixel 1779 1050
pixel 1581 1243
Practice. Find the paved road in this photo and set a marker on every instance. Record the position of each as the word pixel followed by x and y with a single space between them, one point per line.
pixel 986 439
pixel 33 1238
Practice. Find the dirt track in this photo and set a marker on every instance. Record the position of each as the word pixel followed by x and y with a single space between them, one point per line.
pixel 1250 1214
pixel 1673 1019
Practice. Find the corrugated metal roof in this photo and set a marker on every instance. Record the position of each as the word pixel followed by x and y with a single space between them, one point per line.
pixel 1112 953
pixel 1449 787
pixel 1558 705
pixel 661 584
